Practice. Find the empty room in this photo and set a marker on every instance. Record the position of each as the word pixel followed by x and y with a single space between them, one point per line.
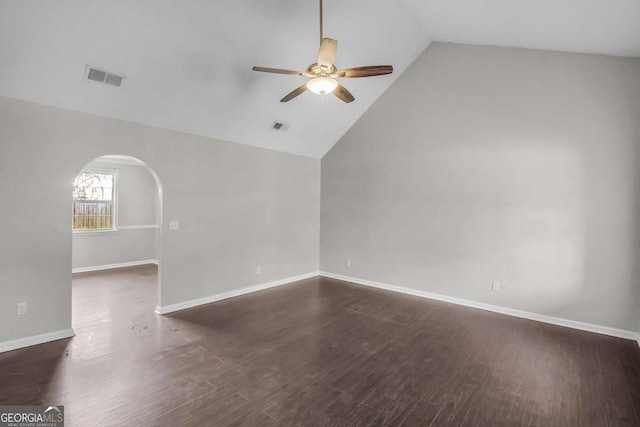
pixel 320 213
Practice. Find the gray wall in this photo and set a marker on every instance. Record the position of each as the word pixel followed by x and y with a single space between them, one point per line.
pixel 136 206
pixel 486 164
pixel 238 207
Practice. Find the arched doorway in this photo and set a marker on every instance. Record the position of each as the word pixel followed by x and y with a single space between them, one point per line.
pixel 116 243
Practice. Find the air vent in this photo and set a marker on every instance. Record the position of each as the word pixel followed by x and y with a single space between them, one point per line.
pixel 96 75
pixel 113 80
pixel 100 76
pixel 279 126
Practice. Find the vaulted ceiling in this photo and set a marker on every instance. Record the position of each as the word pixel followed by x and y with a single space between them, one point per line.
pixel 188 63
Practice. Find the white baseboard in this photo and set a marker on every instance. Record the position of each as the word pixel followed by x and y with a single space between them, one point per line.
pixel 213 298
pixel 621 333
pixel 118 265
pixel 36 339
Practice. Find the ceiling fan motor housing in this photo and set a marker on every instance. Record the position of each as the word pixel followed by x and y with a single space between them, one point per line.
pixel 320 70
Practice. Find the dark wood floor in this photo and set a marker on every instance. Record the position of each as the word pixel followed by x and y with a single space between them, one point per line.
pixel 319 352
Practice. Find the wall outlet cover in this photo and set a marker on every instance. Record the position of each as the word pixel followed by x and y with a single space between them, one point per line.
pixel 21 308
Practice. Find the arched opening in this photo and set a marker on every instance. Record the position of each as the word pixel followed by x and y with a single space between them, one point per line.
pixel 116 218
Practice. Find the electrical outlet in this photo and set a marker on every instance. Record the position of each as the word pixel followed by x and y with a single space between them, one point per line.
pixel 174 225
pixel 495 287
pixel 258 270
pixel 348 262
pixel 21 308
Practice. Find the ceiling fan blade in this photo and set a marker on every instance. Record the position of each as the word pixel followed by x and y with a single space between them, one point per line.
pixel 327 52
pixel 297 91
pixel 342 93
pixel 277 71
pixel 368 71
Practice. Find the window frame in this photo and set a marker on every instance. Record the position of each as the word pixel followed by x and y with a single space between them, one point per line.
pixel 114 202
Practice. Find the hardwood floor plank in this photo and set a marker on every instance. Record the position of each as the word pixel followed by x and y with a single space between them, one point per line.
pixel 317 394
pixel 161 400
pixel 354 414
pixel 249 416
pixel 393 354
pixel 454 411
pixel 208 409
pixel 395 385
pixel 630 360
pixel 402 405
pixel 512 409
pixel 369 384
pixel 620 409
pixel 486 407
pixel 422 414
pixel 101 419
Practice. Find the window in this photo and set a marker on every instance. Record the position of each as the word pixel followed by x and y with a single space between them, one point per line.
pixel 94 201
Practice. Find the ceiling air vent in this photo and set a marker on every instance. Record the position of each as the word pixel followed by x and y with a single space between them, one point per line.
pixel 279 126
pixel 100 76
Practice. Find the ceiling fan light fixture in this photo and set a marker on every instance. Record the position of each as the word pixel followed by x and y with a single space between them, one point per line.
pixel 322 85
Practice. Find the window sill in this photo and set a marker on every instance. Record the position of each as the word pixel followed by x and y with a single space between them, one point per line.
pixel 92 232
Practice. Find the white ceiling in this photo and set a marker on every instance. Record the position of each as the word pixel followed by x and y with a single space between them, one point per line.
pixel 188 62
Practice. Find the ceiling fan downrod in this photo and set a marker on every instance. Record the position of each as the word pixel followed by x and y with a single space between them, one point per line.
pixel 321 35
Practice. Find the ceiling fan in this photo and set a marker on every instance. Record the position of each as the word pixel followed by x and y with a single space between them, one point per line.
pixel 323 74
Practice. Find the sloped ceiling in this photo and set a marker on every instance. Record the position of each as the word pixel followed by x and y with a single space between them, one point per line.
pixel 188 63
